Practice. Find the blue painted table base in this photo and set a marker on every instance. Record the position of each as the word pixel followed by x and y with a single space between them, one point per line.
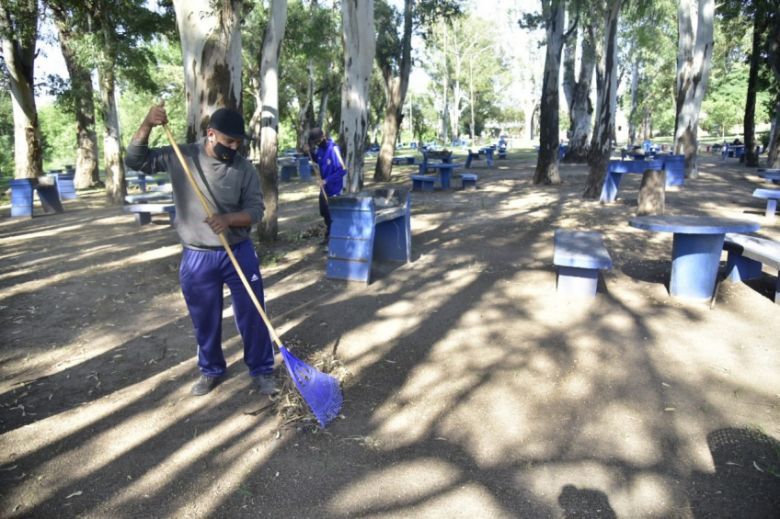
pixel 695 261
pixel 577 281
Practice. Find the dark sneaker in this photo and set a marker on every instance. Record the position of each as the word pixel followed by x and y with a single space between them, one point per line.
pixel 205 385
pixel 265 384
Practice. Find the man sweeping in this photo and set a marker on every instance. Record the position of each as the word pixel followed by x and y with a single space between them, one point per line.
pixel 232 188
pixel 326 154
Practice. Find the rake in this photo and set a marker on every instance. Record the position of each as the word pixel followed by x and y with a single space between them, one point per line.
pixel 320 391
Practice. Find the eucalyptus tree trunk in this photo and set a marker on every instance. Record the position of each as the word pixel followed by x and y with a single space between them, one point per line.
pixel 457 94
pixel 359 44
pixel 113 165
pixel 773 45
pixel 210 36
pixel 305 114
pixel 18 31
pixel 87 165
pixel 694 57
pixel 581 107
pixel 634 102
pixel 601 145
pixel 395 94
pixel 265 120
pixel 749 121
pixel 547 161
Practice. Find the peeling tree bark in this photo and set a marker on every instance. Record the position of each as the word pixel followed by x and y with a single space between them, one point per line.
pixel 395 94
pixel 547 161
pixel 601 144
pixel 773 46
pixel 113 165
pixel 581 107
pixel 210 35
pixel 265 120
pixel 357 19
pixel 694 58
pixel 87 166
pixel 18 31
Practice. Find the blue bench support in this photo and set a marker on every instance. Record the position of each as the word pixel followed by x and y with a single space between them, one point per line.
pixel 747 255
pixel 371 225
pixel 468 180
pixel 423 182
pixel 143 212
pixel 22 190
pixel 579 255
pixel 771 196
pixel 65 186
pixel 501 153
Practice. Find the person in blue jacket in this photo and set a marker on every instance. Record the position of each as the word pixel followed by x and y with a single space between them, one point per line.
pixel 326 154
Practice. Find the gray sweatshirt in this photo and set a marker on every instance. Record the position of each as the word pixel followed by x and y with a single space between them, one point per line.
pixel 231 188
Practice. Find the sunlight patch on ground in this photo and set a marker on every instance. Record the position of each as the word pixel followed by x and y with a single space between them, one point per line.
pixel 425 487
pixel 592 484
pixel 125 435
pixel 149 255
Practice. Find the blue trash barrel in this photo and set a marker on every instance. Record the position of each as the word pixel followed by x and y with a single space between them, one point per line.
pixel 304 168
pixel 21 197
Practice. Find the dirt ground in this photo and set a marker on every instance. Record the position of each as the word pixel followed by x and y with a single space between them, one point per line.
pixel 472 388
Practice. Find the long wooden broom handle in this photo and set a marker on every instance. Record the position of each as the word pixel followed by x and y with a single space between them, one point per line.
pixel 222 237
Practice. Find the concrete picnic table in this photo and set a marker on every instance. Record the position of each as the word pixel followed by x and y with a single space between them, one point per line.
pixel 770 174
pixel 696 249
pixel 444 171
pixel 771 196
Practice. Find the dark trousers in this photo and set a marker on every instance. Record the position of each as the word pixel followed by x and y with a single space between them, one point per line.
pixel 202 275
pixel 325 212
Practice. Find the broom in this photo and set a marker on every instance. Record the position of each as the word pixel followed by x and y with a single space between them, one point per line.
pixel 320 391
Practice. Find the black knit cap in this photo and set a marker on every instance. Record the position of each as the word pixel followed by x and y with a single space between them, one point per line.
pixel 229 122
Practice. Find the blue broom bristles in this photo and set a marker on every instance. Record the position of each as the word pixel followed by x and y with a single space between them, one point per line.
pixel 320 391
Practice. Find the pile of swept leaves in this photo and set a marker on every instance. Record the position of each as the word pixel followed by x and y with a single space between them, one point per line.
pixel 289 404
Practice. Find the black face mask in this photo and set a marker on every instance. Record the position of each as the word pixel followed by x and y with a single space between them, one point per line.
pixel 223 153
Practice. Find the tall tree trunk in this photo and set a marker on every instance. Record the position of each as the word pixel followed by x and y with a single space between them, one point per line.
pixel 113 165
pixel 305 114
pixel 547 161
pixel 266 131
pixel 210 36
pixel 395 94
pixel 749 121
pixel 694 57
pixel 18 31
pixel 601 145
pixel 87 166
pixel 582 108
pixel 359 43
pixel 773 47
pixel 634 102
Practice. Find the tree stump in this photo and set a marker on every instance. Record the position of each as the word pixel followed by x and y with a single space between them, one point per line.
pixel 652 195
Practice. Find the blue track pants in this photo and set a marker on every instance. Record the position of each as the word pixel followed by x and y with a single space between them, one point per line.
pixel 202 275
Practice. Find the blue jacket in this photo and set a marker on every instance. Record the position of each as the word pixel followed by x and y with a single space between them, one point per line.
pixel 328 158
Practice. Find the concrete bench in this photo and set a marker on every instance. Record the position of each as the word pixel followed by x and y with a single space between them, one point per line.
pixel 501 153
pixel 579 255
pixel 22 190
pixel 423 182
pixel 747 255
pixel 468 180
pixel 371 225
pixel 143 212
pixel 771 196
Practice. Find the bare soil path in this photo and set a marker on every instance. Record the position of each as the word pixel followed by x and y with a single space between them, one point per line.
pixel 473 390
